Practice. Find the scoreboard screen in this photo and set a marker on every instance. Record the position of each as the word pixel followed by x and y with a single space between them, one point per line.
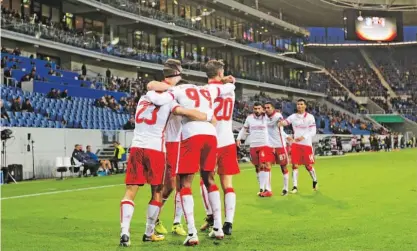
pixel 376 29
pixel 373 26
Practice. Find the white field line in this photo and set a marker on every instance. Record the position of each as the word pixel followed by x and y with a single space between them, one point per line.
pixel 106 186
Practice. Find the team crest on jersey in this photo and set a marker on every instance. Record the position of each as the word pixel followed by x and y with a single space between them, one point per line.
pixel 262 154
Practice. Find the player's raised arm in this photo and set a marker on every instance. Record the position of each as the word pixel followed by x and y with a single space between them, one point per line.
pixel 229 79
pixel 160 98
pixel 157 86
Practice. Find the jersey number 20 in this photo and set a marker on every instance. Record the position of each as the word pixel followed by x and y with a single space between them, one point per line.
pixel 225 107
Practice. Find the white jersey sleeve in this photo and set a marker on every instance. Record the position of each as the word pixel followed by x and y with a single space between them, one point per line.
pixel 218 90
pixel 243 130
pixel 160 98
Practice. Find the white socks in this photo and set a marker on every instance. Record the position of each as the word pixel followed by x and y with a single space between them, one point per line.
pixel 152 214
pixel 127 207
pixel 229 204
pixel 295 177
pixel 214 199
pixel 286 177
pixel 204 196
pixel 178 208
pixel 187 202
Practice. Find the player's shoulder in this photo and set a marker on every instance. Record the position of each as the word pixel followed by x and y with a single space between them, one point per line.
pixel 185 86
pixel 278 115
pixel 310 116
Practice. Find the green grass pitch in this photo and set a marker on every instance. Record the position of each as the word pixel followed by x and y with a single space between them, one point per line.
pixel 365 202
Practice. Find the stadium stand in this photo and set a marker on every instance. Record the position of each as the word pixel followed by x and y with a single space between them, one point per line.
pixel 12 21
pixel 350 68
pixel 328 121
pixel 57 113
pixel 91 108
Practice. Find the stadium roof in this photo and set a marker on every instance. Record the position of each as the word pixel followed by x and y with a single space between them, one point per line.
pixel 329 13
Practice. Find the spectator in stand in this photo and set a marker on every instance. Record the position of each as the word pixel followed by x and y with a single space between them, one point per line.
pixel 83 70
pixel 130 125
pixel 17 51
pixel 52 93
pixel 108 75
pixel 4 114
pixel 27 106
pixel 16 106
pixel 64 94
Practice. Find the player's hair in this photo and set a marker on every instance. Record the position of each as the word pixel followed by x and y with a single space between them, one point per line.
pixel 257 104
pixel 269 103
pixel 213 67
pixel 302 100
pixel 172 68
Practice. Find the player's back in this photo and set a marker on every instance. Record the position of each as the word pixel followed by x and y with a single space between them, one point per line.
pixel 150 124
pixel 173 130
pixel 223 112
pixel 199 98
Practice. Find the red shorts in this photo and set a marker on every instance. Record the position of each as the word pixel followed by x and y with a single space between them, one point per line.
pixel 197 153
pixel 227 160
pixel 302 154
pixel 145 166
pixel 281 156
pixel 262 154
pixel 172 159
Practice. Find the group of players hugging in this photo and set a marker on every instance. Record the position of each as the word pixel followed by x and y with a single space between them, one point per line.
pixel 183 129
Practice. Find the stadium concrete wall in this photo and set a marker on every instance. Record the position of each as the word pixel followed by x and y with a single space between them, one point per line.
pixel 50 143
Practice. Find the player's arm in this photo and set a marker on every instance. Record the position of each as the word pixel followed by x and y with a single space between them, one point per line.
pixel 157 86
pixel 216 91
pixel 242 132
pixel 229 79
pixel 160 99
pixel 285 135
pixel 286 121
pixel 191 114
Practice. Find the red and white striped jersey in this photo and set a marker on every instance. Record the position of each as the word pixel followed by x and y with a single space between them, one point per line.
pixel 151 118
pixel 223 112
pixel 257 126
pixel 304 125
pixel 200 98
pixel 274 131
